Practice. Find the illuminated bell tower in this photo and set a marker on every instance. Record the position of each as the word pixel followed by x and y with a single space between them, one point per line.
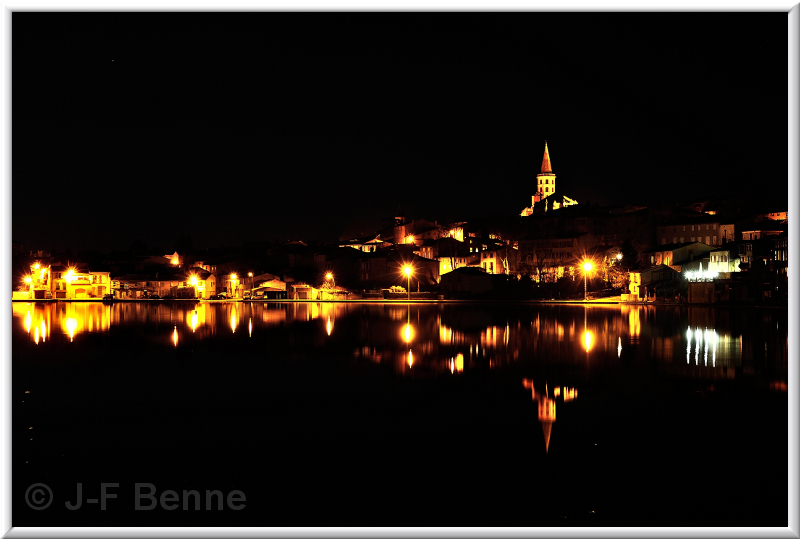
pixel 546 180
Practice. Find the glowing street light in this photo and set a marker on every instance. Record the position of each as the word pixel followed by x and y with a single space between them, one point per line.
pixel 408 270
pixel 587 267
pixel 234 278
pixel 329 277
pixel 193 281
pixel 619 257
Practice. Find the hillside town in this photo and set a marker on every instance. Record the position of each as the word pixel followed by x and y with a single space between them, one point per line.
pixel 727 249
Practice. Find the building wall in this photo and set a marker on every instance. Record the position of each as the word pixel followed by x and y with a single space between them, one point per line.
pixel 546 184
pixel 708 233
pixel 727 232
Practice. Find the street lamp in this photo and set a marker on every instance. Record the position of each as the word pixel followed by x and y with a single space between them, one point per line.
pixel 194 282
pixel 329 277
pixel 233 286
pixel 250 274
pixel 587 267
pixel 408 271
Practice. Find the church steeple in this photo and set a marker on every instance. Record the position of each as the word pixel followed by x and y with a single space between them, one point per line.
pixel 545 180
pixel 546 168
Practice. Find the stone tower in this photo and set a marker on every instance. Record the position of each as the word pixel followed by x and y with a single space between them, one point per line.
pixel 546 180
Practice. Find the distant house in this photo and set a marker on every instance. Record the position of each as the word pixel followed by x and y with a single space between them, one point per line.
pixel 466 281
pixel 725 259
pixel 367 244
pixel 78 282
pixel 301 291
pixel 644 281
pixel 675 254
pixel 757 230
pixel 492 260
pixel 546 259
pixel 702 228
pixel 450 252
pixel 269 286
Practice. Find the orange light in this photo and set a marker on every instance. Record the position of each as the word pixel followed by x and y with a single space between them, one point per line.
pixel 587 267
pixel 407 270
pixel 329 276
pixel 28 279
pixel 588 340
pixel 408 333
pixel 233 276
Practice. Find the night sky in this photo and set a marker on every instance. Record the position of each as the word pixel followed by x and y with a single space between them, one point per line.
pixel 271 126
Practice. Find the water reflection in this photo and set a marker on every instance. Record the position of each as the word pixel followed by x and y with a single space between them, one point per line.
pixel 546 406
pixel 234 318
pixel 445 339
pixel 72 319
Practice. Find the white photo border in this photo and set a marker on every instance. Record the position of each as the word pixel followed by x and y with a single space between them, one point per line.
pixel 793 21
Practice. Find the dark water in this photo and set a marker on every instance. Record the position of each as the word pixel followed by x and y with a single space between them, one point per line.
pixel 403 415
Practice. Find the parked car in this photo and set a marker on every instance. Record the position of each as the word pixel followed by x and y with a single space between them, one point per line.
pixel 214 296
pixel 108 297
pixel 222 295
pixel 155 296
pixel 246 294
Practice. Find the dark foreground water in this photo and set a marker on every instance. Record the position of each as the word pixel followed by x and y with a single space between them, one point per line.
pixel 399 415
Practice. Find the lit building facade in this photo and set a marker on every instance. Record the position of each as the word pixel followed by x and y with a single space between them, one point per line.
pixel 77 282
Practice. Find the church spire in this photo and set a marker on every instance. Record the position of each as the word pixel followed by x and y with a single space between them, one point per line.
pixel 546 168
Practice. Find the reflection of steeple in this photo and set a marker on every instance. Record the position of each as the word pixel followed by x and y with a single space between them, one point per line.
pixel 546 406
pixel 547 426
pixel 547 416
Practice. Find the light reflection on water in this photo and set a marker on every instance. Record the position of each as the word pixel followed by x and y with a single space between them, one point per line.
pixel 444 338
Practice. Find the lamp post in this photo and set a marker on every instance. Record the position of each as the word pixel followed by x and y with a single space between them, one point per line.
pixel 250 274
pixel 408 271
pixel 329 277
pixel 193 281
pixel 587 267
pixel 233 284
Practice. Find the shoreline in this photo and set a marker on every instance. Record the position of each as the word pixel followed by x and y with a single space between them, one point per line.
pixel 418 301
